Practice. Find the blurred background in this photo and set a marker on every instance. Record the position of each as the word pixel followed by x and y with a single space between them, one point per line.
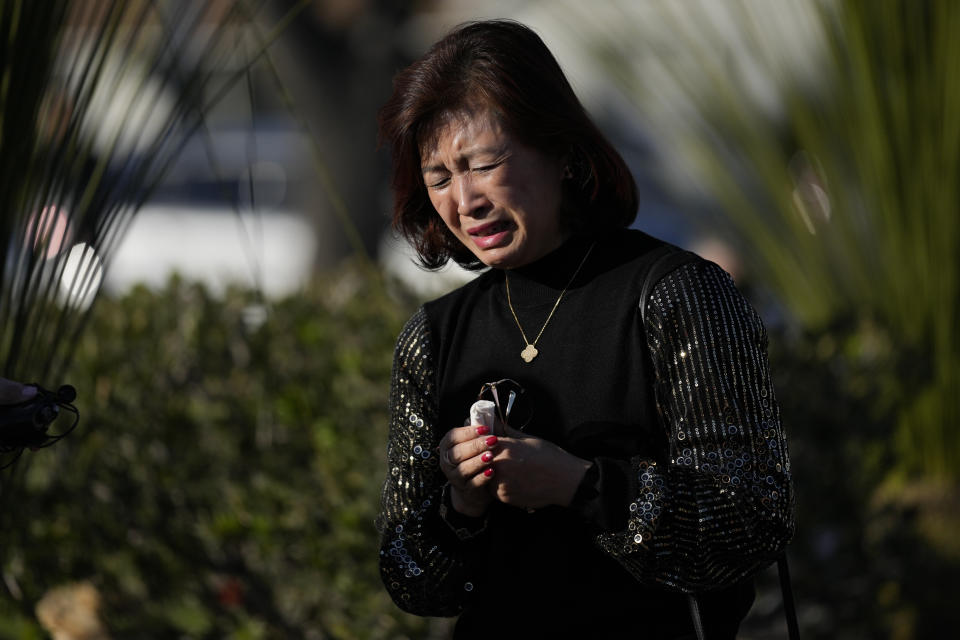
pixel 196 235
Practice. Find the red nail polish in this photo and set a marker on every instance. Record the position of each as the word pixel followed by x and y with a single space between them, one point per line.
pixel 483 430
pixel 492 440
pixel 488 472
pixel 487 457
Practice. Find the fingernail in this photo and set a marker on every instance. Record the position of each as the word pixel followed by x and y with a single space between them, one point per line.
pixel 488 471
pixel 492 440
pixel 27 392
pixel 487 457
pixel 483 430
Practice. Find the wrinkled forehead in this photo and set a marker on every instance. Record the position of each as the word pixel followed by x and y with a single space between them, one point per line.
pixel 432 129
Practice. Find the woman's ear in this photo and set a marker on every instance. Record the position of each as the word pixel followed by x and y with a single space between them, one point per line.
pixel 568 161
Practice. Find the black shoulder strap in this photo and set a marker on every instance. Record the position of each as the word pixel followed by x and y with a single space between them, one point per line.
pixel 666 259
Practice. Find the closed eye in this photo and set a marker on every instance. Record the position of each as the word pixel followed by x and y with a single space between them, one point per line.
pixel 438 183
pixel 489 167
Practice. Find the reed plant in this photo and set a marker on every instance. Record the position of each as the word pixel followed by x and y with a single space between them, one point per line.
pixel 97 99
pixel 831 141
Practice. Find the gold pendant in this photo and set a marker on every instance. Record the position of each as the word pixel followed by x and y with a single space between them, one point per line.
pixel 529 353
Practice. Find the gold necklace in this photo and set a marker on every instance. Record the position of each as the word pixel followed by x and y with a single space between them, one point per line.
pixel 530 351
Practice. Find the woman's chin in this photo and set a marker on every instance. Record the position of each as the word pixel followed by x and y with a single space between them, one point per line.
pixel 499 258
pixel 497 255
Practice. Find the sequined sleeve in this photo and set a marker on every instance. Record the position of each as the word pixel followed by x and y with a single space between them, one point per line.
pixel 423 564
pixel 722 506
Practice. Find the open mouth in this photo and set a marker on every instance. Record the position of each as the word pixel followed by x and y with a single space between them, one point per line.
pixel 491 229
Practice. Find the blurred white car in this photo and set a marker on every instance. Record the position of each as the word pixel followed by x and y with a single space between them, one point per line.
pixel 203 224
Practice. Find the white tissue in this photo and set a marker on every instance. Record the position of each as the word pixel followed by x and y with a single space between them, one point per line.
pixel 484 412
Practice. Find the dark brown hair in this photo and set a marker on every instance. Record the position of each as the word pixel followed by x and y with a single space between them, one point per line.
pixel 503 66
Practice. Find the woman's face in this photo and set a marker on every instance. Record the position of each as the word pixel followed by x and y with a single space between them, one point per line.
pixel 500 198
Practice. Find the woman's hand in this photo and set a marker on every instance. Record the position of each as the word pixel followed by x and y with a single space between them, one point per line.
pixel 465 455
pixel 532 472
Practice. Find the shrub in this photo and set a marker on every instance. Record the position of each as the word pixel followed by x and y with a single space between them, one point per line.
pixel 225 475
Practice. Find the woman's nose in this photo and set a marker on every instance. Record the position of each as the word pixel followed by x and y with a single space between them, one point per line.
pixel 469 197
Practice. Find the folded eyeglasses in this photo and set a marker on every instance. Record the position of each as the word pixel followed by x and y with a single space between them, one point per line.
pixel 513 404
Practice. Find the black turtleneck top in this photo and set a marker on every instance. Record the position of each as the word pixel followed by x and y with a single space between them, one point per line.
pixel 690 488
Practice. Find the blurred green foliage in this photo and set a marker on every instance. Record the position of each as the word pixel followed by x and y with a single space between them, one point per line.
pixel 870 560
pixel 850 211
pixel 839 193
pixel 225 475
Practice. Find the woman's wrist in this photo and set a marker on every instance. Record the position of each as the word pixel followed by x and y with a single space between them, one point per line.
pixel 569 489
pixel 587 487
pixel 465 507
pixel 463 525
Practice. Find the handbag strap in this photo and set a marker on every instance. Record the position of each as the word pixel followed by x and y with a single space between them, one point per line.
pixel 789 610
pixel 695 616
pixel 666 259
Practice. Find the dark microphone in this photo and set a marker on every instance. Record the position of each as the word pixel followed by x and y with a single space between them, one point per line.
pixel 26 424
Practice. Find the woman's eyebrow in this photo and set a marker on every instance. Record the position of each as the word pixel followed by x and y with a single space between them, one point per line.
pixel 433 168
pixel 499 150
